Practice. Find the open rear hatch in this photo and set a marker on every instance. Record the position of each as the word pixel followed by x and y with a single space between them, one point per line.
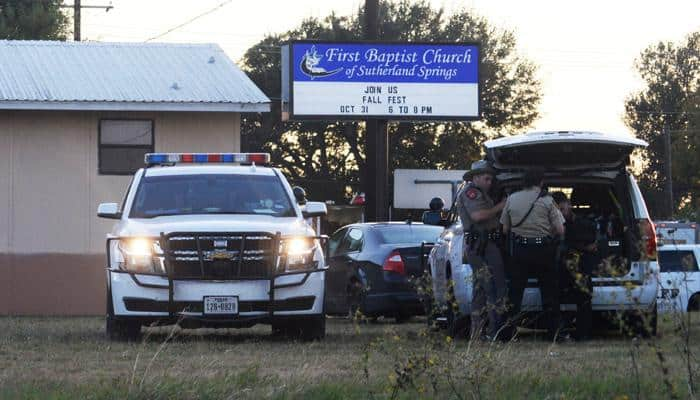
pixel 562 150
pixel 573 161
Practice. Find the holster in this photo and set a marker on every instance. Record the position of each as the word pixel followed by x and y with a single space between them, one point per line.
pixel 511 243
pixel 480 241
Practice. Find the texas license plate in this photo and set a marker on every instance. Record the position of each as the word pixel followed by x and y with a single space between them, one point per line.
pixel 220 305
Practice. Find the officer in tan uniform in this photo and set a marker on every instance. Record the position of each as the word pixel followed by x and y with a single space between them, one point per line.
pixel 479 217
pixel 533 222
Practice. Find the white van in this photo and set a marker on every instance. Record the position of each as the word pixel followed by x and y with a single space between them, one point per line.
pixel 677 232
pixel 591 168
pixel 679 278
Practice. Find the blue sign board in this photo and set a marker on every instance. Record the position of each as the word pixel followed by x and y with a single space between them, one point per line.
pixel 358 80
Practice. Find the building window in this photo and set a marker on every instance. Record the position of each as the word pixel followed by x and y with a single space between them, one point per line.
pixel 123 144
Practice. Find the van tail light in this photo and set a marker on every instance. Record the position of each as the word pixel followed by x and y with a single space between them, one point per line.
pixel 648 235
pixel 394 263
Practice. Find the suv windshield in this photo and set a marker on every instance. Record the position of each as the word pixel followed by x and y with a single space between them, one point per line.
pixel 211 194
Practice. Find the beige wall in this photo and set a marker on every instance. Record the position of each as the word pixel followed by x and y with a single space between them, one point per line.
pixel 50 189
pixel 49 184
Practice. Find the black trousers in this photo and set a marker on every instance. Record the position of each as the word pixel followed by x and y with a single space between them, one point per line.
pixel 489 296
pixel 579 271
pixel 537 261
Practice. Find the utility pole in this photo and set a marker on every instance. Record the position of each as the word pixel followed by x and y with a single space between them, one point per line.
pixel 669 173
pixel 76 15
pixel 76 20
pixel 376 141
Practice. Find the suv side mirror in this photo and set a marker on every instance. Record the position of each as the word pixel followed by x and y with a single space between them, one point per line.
pixel 109 210
pixel 314 209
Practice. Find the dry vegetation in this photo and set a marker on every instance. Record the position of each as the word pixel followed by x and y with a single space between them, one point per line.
pixel 70 358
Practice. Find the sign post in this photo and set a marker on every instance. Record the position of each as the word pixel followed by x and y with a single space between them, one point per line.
pixel 376 180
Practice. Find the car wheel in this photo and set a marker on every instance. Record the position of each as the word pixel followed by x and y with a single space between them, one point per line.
pixel 648 324
pixel 279 329
pixel 314 328
pixel 458 325
pixel 305 328
pixel 694 303
pixel 402 318
pixel 643 325
pixel 431 312
pixel 355 294
pixel 120 329
pixel 123 330
pixel 428 307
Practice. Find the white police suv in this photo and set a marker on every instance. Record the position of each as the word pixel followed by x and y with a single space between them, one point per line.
pixel 213 240
pixel 679 280
pixel 591 169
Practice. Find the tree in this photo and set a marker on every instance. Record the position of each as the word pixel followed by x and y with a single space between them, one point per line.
pixel 671 73
pixel 686 163
pixel 328 157
pixel 32 20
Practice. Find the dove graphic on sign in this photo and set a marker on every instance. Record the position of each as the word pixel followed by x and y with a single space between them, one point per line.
pixel 309 65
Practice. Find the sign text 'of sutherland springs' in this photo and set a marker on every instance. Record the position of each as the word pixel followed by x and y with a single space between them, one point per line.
pixel 381 80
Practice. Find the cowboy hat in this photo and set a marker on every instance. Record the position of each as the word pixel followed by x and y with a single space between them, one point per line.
pixel 478 168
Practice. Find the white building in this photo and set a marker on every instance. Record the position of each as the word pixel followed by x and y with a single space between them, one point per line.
pixel 76 119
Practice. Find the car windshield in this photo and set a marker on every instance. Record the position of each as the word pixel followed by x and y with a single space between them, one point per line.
pixel 211 194
pixel 409 233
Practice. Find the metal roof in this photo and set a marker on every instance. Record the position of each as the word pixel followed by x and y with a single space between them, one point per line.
pixel 123 76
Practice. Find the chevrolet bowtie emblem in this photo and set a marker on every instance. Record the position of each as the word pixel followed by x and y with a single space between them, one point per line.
pixel 221 256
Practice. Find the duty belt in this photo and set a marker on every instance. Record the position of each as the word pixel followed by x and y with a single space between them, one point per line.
pixel 533 241
pixel 494 236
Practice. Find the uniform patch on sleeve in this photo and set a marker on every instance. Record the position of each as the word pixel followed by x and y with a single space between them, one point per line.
pixel 472 193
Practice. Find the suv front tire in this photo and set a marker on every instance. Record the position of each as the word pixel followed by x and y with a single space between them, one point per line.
pixel 120 329
pixel 303 328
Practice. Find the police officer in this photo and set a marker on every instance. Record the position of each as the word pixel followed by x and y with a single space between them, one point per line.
pixel 434 216
pixel 579 256
pixel 299 195
pixel 479 217
pixel 533 222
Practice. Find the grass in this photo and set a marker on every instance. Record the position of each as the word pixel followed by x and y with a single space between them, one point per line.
pixel 68 358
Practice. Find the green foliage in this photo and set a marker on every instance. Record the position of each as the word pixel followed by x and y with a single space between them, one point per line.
pixel 327 157
pixel 686 163
pixel 32 20
pixel 671 73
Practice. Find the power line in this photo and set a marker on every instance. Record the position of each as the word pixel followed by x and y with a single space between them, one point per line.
pixel 223 3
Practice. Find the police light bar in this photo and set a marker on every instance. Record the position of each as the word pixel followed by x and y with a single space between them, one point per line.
pixel 203 158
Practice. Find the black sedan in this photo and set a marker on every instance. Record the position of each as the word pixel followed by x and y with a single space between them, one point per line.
pixel 371 266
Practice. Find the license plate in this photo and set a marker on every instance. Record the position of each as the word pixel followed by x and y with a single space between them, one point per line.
pixel 220 305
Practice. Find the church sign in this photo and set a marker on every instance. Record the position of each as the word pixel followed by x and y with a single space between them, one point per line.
pixel 393 81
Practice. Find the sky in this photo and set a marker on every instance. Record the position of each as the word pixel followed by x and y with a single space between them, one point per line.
pixel 585 50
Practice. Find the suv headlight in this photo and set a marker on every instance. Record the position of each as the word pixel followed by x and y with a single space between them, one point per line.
pixel 297 254
pixel 141 255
